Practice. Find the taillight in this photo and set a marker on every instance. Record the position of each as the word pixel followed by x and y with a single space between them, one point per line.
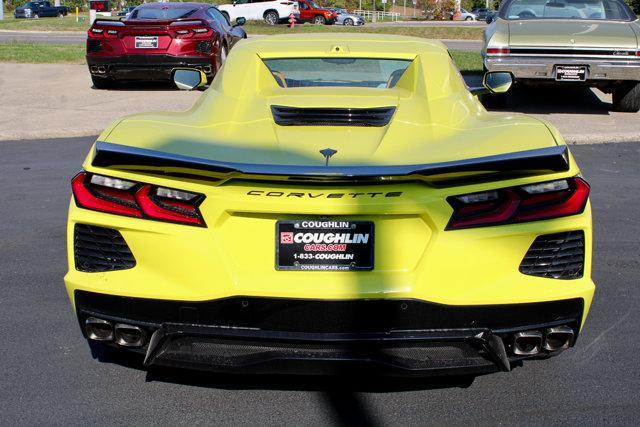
pixel 122 197
pixel 97 30
pixel 545 200
pixel 498 51
pixel 199 30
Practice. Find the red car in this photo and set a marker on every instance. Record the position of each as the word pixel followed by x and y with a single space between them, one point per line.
pixel 156 38
pixel 311 12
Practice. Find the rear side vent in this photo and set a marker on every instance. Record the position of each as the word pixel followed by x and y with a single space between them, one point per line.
pixel 292 116
pixel 94 46
pixel 99 249
pixel 556 256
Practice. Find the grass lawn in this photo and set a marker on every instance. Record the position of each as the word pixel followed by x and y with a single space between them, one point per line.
pixel 37 53
pixel 40 53
pixel 69 23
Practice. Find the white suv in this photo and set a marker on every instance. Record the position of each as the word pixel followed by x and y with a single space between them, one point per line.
pixel 271 11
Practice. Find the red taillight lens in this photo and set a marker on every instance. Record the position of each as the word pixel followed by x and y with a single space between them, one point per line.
pixel 165 208
pixel 498 51
pixel 121 197
pixel 546 200
pixel 104 198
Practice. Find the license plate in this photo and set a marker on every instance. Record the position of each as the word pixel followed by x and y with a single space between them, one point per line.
pixel 574 73
pixel 146 42
pixel 328 245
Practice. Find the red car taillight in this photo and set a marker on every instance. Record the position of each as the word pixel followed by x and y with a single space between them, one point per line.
pixel 498 51
pixel 545 200
pixel 121 197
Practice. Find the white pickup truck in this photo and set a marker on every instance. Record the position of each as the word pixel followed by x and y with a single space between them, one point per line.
pixel 272 12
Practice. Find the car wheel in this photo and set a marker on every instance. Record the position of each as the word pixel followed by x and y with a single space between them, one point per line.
pixel 319 19
pixel 468 18
pixel 348 22
pixel 271 18
pixel 36 16
pixel 60 15
pixel 102 82
pixel 222 57
pixel 627 98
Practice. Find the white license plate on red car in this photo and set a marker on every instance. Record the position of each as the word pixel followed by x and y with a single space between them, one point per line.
pixel 146 42
pixel 571 73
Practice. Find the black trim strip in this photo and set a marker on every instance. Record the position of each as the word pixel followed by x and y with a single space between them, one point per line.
pixel 549 159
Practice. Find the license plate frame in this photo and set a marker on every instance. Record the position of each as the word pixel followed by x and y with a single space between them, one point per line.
pixel 571 73
pixel 357 254
pixel 146 42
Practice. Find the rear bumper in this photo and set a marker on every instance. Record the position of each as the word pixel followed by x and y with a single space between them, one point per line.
pixel 543 68
pixel 280 335
pixel 145 67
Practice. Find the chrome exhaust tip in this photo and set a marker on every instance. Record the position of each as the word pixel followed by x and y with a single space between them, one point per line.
pixel 98 329
pixel 102 70
pixel 93 69
pixel 527 343
pixel 207 69
pixel 129 336
pixel 558 338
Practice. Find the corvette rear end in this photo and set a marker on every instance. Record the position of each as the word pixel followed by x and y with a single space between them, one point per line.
pixel 318 222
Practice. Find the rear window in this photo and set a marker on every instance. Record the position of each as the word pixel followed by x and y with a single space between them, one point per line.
pixel 567 9
pixel 337 72
pixel 154 13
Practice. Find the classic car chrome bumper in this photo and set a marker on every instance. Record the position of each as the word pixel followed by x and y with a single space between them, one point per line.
pixel 538 67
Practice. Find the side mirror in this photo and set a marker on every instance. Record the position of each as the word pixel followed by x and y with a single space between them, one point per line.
pixel 497 81
pixel 489 19
pixel 189 79
pixel 240 20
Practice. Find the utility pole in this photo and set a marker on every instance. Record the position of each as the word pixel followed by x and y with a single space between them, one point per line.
pixel 1 10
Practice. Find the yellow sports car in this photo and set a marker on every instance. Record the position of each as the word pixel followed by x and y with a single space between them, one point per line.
pixel 332 202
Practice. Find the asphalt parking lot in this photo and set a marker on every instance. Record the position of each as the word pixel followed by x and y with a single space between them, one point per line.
pixel 50 377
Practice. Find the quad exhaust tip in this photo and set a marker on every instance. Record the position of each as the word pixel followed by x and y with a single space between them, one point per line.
pixel 98 329
pixel 558 338
pixel 527 343
pixel 128 335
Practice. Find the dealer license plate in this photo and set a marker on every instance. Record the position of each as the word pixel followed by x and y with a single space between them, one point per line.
pixel 146 42
pixel 574 73
pixel 329 245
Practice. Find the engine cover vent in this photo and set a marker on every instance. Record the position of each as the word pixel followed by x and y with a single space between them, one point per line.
pixel 294 116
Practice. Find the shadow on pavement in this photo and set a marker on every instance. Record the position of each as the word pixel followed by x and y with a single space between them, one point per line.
pixel 140 86
pixel 551 99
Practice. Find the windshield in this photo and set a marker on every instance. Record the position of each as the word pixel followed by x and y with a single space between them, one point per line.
pixel 566 9
pixel 337 72
pixel 313 5
pixel 153 13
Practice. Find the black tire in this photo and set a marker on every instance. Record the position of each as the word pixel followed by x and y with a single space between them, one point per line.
pixel 60 15
pixel 468 18
pixel 626 99
pixel 36 16
pixel 319 19
pixel 348 22
pixel 102 82
pixel 271 18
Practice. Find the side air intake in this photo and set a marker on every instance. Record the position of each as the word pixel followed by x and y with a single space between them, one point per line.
pixel 293 116
pixel 98 249
pixel 556 256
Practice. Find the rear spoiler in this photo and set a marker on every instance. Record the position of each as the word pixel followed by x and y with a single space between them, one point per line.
pixel 156 22
pixel 542 160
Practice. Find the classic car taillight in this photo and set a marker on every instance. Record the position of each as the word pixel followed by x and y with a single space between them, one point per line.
pixel 139 200
pixel 545 200
pixel 498 51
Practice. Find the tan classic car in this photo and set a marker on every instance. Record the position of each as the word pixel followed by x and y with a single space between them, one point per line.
pixel 589 42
